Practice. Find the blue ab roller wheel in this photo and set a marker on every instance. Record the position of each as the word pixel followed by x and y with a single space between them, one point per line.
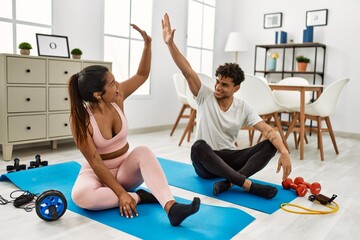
pixel 51 205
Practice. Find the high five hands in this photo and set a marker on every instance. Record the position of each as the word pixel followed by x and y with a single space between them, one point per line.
pixel 147 38
pixel 168 33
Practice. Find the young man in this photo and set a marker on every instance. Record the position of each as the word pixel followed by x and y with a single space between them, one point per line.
pixel 220 117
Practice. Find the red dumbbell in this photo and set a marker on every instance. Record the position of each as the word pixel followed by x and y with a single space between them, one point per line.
pixel 315 187
pixel 300 189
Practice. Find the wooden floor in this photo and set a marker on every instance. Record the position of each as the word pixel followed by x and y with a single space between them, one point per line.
pixel 338 174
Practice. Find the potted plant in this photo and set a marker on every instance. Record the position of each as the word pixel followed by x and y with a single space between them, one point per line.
pixel 76 53
pixel 302 63
pixel 25 48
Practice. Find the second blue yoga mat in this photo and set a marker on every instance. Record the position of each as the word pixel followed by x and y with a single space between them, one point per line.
pixel 183 175
pixel 211 222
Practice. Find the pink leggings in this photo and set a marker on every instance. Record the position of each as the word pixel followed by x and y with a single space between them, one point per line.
pixel 130 170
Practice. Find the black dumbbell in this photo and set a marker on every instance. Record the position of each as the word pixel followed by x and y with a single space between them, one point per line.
pixel 16 167
pixel 37 163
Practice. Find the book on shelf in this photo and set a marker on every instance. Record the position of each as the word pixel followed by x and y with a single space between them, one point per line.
pixel 308 34
pixel 280 37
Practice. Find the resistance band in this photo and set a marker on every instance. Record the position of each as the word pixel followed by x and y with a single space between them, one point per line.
pixel 319 199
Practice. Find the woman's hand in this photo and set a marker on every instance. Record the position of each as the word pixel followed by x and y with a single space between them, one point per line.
pixel 127 205
pixel 168 33
pixel 147 38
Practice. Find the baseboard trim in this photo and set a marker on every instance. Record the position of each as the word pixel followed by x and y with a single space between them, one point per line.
pixel 157 129
pixel 347 135
pixel 70 140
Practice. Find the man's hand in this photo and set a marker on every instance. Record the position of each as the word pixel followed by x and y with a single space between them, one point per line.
pixel 168 33
pixel 284 162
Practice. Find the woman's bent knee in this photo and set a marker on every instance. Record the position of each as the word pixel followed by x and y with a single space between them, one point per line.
pixel 142 151
pixel 84 200
pixel 79 199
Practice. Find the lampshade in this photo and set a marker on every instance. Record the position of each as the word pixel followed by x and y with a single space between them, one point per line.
pixel 236 42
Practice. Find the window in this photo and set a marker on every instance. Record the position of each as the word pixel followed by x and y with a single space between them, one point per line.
pixel 200 37
pixel 122 45
pixel 20 21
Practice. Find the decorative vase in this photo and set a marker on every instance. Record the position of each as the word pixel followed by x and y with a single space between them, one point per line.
pixel 302 66
pixel 25 51
pixel 75 56
pixel 272 64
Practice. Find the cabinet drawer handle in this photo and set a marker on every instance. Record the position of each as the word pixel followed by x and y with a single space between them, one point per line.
pixel 66 72
pixel 28 70
pixel 66 99
pixel 65 125
pixel 28 99
pixel 28 128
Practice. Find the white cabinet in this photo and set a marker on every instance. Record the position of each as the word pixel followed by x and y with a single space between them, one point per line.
pixel 34 104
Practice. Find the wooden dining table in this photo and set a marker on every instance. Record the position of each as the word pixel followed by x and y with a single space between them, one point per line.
pixel 302 89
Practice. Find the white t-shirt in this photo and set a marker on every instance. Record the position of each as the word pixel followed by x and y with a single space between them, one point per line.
pixel 218 128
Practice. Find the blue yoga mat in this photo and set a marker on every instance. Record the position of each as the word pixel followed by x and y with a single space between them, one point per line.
pixel 183 175
pixel 211 222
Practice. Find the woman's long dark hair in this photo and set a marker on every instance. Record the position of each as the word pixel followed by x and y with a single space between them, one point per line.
pixel 81 87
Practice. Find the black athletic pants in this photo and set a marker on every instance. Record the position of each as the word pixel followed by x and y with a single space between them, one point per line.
pixel 233 165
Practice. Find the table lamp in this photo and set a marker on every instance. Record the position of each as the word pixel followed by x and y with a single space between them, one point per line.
pixel 236 42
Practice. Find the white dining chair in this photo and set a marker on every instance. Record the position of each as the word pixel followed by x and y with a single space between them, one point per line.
pixel 291 99
pixel 321 110
pixel 255 91
pixel 192 119
pixel 207 80
pixel 180 87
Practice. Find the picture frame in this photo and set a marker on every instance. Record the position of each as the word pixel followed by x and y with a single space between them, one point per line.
pixel 52 45
pixel 317 17
pixel 273 20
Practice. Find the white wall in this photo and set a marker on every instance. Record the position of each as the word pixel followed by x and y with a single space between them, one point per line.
pixel 162 107
pixel 82 22
pixel 341 36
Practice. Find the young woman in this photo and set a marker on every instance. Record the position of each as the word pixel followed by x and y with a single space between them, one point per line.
pixel 100 130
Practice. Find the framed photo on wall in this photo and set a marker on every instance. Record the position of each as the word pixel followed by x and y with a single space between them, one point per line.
pixel 52 45
pixel 317 17
pixel 272 20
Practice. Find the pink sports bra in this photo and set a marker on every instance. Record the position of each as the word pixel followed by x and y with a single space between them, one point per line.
pixel 103 145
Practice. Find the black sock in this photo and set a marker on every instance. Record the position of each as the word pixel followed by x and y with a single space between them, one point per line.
pixel 146 197
pixel 220 187
pixel 265 191
pixel 179 212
